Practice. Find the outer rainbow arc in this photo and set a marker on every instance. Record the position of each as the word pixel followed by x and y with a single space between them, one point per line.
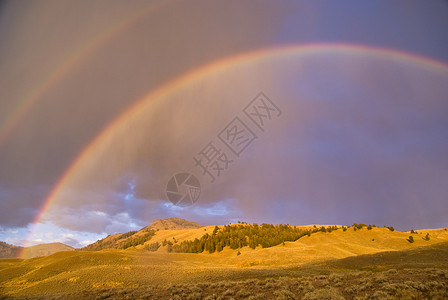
pixel 217 66
pixel 62 70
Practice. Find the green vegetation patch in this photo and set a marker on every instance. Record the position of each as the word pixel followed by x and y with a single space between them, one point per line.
pixel 242 235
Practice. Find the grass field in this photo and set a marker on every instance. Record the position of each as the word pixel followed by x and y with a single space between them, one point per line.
pixel 322 266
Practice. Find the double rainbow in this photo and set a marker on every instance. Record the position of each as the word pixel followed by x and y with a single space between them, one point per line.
pixel 222 65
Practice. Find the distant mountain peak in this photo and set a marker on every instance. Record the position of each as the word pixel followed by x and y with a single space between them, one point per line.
pixel 46 249
pixel 173 223
pixel 133 238
pixel 10 251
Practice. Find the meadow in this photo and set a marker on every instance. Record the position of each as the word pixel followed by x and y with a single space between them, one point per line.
pixel 342 264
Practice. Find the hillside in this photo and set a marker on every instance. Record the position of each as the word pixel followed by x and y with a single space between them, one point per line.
pixel 8 251
pixel 45 249
pixel 11 251
pixel 122 241
pixel 319 246
pixel 172 224
pixel 435 255
pixel 307 262
pixel 140 237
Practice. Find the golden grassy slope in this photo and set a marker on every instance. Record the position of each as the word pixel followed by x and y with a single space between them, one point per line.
pixel 172 223
pixel 45 249
pixel 86 270
pixel 340 244
pixel 319 246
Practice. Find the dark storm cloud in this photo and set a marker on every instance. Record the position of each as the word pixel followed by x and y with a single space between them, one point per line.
pixel 44 39
pixel 402 25
pixel 22 202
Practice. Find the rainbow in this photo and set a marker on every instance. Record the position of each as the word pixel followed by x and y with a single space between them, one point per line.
pixel 222 65
pixel 67 64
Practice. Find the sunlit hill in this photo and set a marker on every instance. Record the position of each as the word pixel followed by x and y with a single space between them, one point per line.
pixel 182 259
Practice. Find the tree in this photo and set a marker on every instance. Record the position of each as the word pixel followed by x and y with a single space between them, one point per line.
pixel 211 248
pixel 410 239
pixel 242 235
pixel 252 243
pixel 426 238
pixel 153 247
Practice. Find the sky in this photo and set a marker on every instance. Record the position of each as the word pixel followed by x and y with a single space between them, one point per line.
pixel 299 112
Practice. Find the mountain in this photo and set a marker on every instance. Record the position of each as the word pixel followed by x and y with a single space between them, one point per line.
pixel 136 238
pixel 11 251
pixel 173 224
pixel 8 251
pixel 45 249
